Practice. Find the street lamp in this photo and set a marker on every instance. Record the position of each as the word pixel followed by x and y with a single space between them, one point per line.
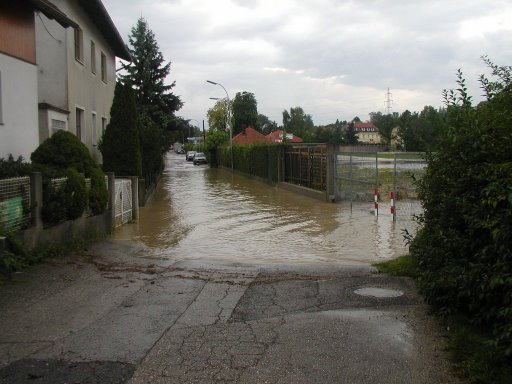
pixel 229 122
pixel 197 121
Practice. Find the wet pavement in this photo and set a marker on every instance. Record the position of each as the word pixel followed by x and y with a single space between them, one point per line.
pixel 147 306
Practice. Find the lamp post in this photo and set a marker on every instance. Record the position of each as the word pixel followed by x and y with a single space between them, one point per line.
pixel 229 122
pixel 197 121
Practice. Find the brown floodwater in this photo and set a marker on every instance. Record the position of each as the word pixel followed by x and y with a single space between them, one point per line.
pixel 200 213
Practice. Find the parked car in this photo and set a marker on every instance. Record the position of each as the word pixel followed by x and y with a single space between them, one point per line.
pixel 190 155
pixel 199 158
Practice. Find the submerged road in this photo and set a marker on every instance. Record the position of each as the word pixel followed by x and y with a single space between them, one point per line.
pixel 131 310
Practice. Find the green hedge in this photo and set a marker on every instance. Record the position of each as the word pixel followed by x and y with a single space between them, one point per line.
pixel 259 160
pixel 464 245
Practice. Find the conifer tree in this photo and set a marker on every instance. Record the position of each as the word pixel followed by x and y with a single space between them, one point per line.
pixel 120 144
pixel 147 73
pixel 156 104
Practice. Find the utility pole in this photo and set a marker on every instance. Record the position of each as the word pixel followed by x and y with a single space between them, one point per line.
pixel 388 102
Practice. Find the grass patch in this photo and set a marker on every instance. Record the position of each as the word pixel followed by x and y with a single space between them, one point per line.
pixel 401 266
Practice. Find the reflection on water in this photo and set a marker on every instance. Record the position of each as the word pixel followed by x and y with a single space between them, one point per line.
pixel 198 212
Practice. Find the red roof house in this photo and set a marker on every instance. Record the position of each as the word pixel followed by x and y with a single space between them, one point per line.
pixel 249 136
pixel 277 137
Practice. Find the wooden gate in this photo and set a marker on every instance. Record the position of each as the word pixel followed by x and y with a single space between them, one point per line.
pixel 306 165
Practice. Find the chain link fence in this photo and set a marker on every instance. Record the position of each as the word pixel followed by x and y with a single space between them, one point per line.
pixel 14 204
pixel 359 175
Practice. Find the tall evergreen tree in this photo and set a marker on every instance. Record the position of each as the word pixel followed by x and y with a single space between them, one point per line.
pixel 156 104
pixel 147 73
pixel 120 145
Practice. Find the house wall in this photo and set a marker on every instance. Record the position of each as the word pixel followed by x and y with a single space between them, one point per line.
pixel 85 90
pixel 18 107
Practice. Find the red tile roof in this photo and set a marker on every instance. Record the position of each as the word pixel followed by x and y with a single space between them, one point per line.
pixel 365 127
pixel 249 136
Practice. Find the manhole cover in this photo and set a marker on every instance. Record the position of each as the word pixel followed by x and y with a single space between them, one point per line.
pixel 378 292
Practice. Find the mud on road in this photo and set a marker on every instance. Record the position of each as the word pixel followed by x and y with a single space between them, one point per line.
pixel 104 316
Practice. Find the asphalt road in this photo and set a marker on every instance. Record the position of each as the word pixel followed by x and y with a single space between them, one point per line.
pixel 106 316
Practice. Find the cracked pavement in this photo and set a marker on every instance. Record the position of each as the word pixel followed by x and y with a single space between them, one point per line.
pixel 105 316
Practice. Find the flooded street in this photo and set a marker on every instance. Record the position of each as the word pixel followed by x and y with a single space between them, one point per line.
pixel 200 213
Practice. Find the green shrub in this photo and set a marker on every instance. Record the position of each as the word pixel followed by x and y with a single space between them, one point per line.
pixel 75 194
pixel 464 245
pixel 14 168
pixel 98 194
pixel 54 209
pixel 62 151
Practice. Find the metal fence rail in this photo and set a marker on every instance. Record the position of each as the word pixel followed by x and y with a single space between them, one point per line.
pixel 306 166
pixel 14 204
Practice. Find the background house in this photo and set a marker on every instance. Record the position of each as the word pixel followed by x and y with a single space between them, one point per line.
pixel 277 137
pixel 77 72
pixel 249 136
pixel 367 133
pixel 18 73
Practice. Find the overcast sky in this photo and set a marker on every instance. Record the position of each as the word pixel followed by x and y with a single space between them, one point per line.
pixel 335 59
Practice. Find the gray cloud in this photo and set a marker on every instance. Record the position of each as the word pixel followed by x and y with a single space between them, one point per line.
pixel 335 59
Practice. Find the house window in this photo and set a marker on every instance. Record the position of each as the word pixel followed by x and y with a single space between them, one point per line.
pixel 79 116
pixel 103 67
pixel 79 45
pixel 57 125
pixel 93 57
pixel 103 125
pixel 93 120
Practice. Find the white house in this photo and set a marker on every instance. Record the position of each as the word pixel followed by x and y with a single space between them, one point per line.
pixel 18 74
pixel 76 71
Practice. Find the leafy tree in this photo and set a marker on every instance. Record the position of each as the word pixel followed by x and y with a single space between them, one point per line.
pixel 350 137
pixel 245 112
pixel 332 133
pixel 421 131
pixel 265 125
pixel 120 145
pixel 217 116
pixel 385 124
pixel 464 244
pixel 298 123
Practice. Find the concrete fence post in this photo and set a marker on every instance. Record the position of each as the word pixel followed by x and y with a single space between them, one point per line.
pixel 135 197
pixel 36 198
pixel 142 192
pixel 112 196
pixel 330 173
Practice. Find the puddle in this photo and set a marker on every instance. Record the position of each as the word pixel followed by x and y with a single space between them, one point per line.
pixel 378 292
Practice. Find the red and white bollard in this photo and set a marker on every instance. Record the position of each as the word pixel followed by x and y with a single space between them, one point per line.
pixel 376 201
pixel 393 212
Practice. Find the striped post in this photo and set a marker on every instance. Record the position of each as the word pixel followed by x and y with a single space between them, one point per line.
pixel 376 201
pixel 393 213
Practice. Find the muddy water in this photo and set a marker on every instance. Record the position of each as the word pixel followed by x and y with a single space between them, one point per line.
pixel 205 213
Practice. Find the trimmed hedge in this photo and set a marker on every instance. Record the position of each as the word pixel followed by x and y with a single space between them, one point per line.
pixel 259 160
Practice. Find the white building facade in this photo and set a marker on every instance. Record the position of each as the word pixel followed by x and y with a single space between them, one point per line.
pixel 77 73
